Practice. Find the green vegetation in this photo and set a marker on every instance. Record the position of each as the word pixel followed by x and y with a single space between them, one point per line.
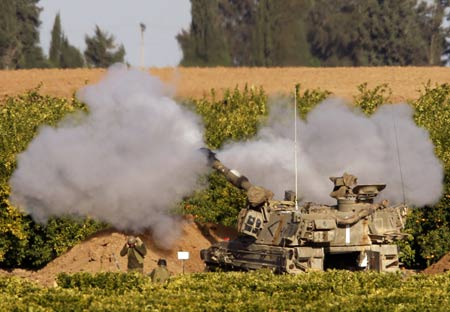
pixel 234 117
pixel 61 53
pixel 24 243
pixel 19 35
pixel 101 50
pixel 370 99
pixel 232 291
pixel 315 33
pixel 430 226
pixel 20 47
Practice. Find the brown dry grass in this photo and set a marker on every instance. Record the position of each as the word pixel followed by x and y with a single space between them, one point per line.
pixel 195 82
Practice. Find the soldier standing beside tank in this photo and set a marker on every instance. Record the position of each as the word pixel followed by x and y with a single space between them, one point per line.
pixel 136 251
pixel 160 274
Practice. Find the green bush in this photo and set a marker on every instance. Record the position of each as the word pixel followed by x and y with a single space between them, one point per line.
pixel 307 100
pixel 231 291
pixel 235 117
pixel 24 243
pixel 370 99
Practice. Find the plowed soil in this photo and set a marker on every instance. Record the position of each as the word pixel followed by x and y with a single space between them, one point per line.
pixel 100 252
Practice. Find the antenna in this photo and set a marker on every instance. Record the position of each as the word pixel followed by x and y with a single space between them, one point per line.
pixel 398 154
pixel 142 25
pixel 295 147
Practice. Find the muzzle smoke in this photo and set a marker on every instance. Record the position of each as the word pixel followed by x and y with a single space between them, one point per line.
pixel 386 148
pixel 127 162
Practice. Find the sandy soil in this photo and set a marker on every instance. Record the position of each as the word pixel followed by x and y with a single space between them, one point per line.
pixel 100 253
pixel 195 82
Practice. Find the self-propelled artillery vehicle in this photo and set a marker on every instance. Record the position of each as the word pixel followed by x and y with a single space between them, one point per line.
pixel 354 234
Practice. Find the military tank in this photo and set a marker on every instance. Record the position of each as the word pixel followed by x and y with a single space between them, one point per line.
pixel 354 234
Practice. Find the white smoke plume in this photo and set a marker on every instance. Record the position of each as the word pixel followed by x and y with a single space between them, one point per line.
pixel 127 162
pixel 387 148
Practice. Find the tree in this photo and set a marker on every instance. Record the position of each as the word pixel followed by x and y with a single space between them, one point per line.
pixel 56 42
pixel 101 51
pixel 61 53
pixel 204 44
pixel 376 32
pixel 252 33
pixel 431 19
pixel 19 35
pixel 70 57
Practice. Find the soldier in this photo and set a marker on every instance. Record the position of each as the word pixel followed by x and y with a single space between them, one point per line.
pixel 160 274
pixel 136 251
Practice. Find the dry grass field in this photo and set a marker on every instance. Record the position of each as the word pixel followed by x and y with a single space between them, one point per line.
pixel 195 82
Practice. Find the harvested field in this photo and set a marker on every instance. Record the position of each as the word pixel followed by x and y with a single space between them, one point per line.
pixel 195 82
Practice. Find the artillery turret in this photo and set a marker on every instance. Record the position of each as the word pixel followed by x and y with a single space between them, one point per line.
pixel 354 234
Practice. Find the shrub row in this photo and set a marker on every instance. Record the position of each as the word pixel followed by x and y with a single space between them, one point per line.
pixel 232 291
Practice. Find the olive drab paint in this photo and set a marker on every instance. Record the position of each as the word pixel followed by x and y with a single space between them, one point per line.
pixel 354 234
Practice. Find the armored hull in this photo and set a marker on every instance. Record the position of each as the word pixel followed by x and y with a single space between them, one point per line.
pixel 354 234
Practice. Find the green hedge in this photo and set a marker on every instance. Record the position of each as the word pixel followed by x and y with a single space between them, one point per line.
pixel 232 291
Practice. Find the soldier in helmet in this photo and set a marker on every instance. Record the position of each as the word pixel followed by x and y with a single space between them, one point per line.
pixel 135 249
pixel 160 274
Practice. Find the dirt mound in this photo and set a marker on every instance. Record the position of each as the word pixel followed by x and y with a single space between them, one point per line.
pixel 100 253
pixel 443 265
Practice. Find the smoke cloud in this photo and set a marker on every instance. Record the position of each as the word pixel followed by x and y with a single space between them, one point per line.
pixel 387 148
pixel 127 162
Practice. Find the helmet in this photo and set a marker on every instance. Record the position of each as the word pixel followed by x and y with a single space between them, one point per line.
pixel 162 262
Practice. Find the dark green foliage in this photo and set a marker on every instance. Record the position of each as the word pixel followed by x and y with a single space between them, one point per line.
pixel 204 44
pixel 101 50
pixel 247 33
pixel 391 32
pixel 281 34
pixel 313 33
pixel 62 54
pixel 71 57
pixel 19 35
pixel 54 54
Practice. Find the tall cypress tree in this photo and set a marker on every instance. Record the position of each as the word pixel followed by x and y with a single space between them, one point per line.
pixel 204 44
pixel 70 57
pixel 56 42
pixel 61 53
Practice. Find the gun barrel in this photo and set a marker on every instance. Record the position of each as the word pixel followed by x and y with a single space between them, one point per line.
pixel 233 176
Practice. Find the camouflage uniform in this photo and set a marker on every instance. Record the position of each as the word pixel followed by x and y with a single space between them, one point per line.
pixel 136 251
pixel 160 274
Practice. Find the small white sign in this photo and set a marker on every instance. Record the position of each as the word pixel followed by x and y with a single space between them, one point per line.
pixel 183 255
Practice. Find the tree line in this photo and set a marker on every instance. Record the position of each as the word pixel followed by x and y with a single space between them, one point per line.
pixel 20 46
pixel 316 33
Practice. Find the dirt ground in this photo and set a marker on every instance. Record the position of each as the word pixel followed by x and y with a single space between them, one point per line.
pixel 195 82
pixel 100 253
